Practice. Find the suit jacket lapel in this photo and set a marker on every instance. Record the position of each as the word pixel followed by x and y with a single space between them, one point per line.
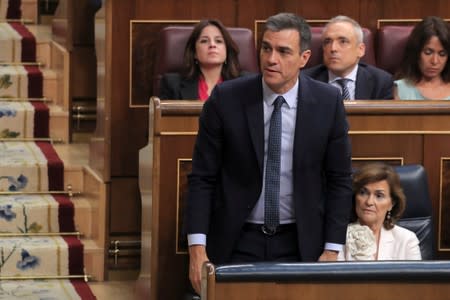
pixel 255 116
pixel 386 245
pixel 304 101
pixel 364 84
pixel 189 89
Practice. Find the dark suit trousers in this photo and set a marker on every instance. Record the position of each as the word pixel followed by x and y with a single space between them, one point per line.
pixel 255 246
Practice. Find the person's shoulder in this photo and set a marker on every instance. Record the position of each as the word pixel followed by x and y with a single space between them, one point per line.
pixel 400 231
pixel 172 76
pixel 403 82
pixel 245 80
pixel 314 71
pixel 315 84
pixel 377 72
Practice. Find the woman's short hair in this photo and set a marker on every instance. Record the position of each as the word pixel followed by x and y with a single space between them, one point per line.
pixel 427 28
pixel 231 67
pixel 375 172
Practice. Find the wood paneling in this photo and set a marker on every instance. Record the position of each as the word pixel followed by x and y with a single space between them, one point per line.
pixel 224 10
pixel 395 9
pixel 407 147
pixel 438 172
pixel 73 24
pixel 128 132
pixel 83 62
pixel 73 28
pixel 250 10
pixel 125 206
pixel 322 9
pixel 99 152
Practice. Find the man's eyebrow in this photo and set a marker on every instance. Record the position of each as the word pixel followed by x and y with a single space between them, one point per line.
pixel 284 48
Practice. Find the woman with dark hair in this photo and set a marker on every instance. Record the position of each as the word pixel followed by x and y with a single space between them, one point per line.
pixel 378 203
pixel 210 57
pixel 425 70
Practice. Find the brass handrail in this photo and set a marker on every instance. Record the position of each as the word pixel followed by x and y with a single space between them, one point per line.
pixel 85 277
pixel 13 63
pixel 23 21
pixel 40 234
pixel 51 140
pixel 19 99
pixel 70 193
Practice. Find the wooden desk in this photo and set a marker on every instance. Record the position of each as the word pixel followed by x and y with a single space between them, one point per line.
pixel 399 280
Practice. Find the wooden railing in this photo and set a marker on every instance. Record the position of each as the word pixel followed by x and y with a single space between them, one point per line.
pixel 399 280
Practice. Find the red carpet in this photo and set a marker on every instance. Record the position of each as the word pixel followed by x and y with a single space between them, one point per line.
pixel 83 289
pixel 55 167
pixel 28 41
pixel 66 213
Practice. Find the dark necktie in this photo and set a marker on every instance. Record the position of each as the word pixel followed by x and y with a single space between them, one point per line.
pixel 272 176
pixel 343 83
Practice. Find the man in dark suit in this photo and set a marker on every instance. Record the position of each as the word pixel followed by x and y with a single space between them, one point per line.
pixel 343 48
pixel 229 212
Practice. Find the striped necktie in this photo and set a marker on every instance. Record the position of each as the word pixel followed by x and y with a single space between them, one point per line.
pixel 343 83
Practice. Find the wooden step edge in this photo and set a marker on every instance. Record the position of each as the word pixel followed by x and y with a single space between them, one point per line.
pixel 74 155
pixel 94 259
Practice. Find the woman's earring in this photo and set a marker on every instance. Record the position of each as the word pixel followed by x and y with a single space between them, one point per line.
pixel 388 216
pixel 196 61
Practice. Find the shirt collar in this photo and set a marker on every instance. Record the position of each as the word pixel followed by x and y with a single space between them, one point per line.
pixel 290 96
pixel 352 75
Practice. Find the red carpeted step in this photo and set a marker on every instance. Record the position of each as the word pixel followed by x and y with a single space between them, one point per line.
pixel 66 214
pixel 55 167
pixel 35 82
pixel 76 260
pixel 28 41
pixel 41 119
pixel 83 290
pixel 14 9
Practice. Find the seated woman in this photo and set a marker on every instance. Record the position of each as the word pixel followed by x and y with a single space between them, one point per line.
pixel 210 57
pixel 378 203
pixel 425 70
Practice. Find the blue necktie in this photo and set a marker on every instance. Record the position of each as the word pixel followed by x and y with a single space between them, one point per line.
pixel 343 83
pixel 272 176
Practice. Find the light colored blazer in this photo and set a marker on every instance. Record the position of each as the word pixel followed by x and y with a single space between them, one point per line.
pixel 397 243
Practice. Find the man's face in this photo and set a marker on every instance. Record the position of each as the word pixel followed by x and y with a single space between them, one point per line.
pixel 281 59
pixel 341 49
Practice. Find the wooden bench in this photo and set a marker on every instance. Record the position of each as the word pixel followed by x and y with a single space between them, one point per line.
pixel 397 280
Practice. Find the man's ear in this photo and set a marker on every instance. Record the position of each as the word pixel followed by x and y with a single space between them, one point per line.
pixel 361 50
pixel 305 55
